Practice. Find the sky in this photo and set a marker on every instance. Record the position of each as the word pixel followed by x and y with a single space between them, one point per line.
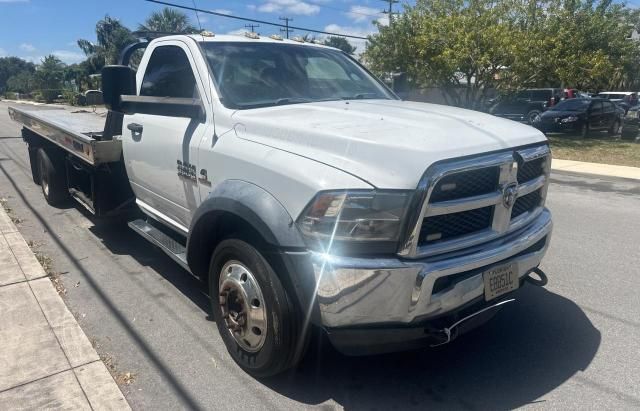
pixel 31 29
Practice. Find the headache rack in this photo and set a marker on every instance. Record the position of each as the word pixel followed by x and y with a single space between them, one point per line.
pixel 463 203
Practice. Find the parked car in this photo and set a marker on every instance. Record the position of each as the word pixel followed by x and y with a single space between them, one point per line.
pixel 526 105
pixel 582 116
pixel 624 99
pixel 631 124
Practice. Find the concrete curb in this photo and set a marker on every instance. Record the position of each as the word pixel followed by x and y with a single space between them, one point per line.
pixel 595 169
pixel 46 360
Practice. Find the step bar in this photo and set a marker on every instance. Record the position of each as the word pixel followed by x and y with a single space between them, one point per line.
pixel 171 247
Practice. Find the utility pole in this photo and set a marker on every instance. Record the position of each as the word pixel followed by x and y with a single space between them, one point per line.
pixel 390 10
pixel 252 27
pixel 287 30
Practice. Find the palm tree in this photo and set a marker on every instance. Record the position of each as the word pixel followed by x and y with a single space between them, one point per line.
pixel 168 21
pixel 112 38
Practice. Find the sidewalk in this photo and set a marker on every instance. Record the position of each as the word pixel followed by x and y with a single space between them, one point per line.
pixel 46 360
pixel 596 169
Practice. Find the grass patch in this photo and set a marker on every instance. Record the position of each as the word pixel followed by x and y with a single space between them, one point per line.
pixel 596 149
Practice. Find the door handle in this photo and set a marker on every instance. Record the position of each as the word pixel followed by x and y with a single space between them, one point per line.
pixel 135 127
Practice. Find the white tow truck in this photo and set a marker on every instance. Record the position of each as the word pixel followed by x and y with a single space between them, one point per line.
pixel 305 193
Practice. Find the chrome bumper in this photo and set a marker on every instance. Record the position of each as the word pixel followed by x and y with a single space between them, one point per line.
pixel 371 291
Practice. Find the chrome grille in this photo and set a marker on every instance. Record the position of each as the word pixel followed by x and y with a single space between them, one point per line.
pixel 474 200
pixel 447 226
pixel 472 183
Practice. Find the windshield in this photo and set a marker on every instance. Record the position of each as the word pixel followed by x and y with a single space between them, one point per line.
pixel 572 105
pixel 250 75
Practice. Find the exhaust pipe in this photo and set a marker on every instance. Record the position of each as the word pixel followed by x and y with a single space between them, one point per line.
pixel 541 282
pixel 448 330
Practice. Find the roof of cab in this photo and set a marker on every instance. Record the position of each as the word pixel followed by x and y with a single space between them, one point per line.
pixel 241 39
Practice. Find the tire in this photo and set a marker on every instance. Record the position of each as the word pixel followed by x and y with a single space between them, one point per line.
pixel 33 161
pixel 53 180
pixel 276 344
pixel 533 117
pixel 615 128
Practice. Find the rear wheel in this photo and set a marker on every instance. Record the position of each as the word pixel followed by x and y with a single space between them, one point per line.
pixel 52 178
pixel 255 316
pixel 533 116
pixel 33 161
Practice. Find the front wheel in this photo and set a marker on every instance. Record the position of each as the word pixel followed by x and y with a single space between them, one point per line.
pixel 254 314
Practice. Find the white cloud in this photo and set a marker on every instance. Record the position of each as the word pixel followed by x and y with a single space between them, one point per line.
pixel 69 57
pixel 361 14
pixel 289 6
pixel 27 47
pixel 222 11
pixel 238 32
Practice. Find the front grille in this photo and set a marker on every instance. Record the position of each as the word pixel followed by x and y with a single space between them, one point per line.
pixel 467 184
pixel 448 226
pixel 482 200
pixel 530 170
pixel 526 203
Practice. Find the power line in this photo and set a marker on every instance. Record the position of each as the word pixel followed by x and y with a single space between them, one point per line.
pixel 269 23
pixel 286 30
pixel 252 27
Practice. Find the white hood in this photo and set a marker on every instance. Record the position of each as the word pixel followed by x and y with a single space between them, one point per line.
pixel 387 143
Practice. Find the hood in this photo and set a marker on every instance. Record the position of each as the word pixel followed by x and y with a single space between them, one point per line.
pixel 387 143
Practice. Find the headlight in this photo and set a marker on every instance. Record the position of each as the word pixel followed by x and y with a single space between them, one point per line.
pixel 336 218
pixel 569 119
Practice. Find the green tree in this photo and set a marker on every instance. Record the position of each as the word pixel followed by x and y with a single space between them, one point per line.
pixel 168 21
pixel 11 66
pixel 340 43
pixel 23 82
pixel 470 47
pixel 49 77
pixel 111 37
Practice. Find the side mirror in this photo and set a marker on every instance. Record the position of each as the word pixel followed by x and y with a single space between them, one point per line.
pixel 117 81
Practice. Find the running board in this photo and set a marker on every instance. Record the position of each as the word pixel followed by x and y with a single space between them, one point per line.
pixel 171 247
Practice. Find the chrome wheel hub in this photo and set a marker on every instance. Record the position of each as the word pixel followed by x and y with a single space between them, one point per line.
pixel 242 306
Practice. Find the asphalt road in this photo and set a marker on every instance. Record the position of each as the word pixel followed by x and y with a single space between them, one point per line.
pixel 571 345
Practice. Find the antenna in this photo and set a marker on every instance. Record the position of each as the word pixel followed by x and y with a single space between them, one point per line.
pixel 197 15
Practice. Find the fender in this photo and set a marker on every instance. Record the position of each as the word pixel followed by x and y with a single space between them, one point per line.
pixel 252 204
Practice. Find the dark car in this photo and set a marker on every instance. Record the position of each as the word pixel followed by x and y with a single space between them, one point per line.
pixel 631 124
pixel 582 116
pixel 526 105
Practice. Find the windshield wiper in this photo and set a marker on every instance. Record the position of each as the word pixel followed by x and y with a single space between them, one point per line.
pixel 291 100
pixel 360 96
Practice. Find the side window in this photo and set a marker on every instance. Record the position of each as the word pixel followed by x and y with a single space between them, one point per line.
pixel 596 107
pixel 169 74
pixel 608 107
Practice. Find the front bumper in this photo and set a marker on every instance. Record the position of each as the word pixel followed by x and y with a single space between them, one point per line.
pixel 390 292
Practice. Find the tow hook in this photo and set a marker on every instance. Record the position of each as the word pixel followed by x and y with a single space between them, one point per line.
pixel 541 282
pixel 448 330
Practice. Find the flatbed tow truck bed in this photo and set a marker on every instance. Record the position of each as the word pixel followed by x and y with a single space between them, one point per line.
pixel 78 133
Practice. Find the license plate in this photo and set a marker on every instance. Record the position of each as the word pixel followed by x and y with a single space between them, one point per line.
pixel 500 280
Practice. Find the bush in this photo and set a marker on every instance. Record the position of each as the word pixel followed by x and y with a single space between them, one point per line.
pixel 72 98
pixel 9 95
